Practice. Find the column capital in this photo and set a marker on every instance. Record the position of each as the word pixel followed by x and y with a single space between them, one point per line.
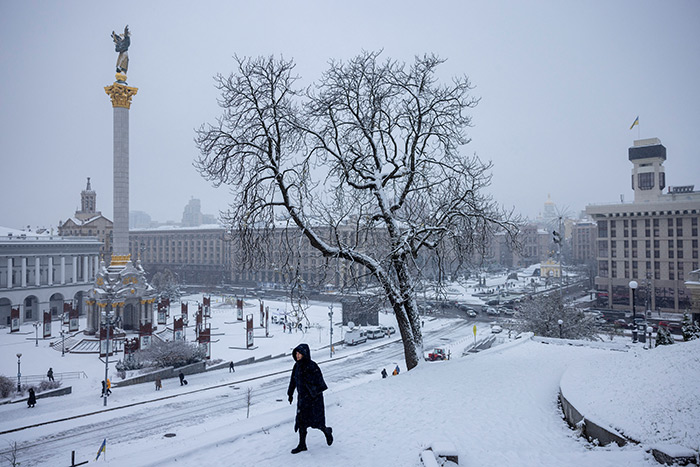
pixel 121 95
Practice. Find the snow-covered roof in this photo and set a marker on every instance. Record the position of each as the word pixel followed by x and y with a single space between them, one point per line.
pixel 7 231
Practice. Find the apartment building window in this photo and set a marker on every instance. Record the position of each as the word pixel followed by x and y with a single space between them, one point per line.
pixel 657 270
pixel 603 248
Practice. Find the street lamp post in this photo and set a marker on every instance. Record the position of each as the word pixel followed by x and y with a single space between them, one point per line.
pixel 36 333
pixel 649 331
pixel 19 373
pixel 63 336
pixel 633 285
pixel 560 322
pixel 108 322
pixel 330 317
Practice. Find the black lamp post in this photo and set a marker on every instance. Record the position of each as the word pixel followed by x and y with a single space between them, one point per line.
pixel 19 373
pixel 633 285
pixel 560 322
pixel 330 317
pixel 36 333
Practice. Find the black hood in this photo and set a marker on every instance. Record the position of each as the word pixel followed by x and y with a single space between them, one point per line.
pixel 304 350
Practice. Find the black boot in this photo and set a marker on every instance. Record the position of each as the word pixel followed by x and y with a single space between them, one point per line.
pixel 328 431
pixel 302 442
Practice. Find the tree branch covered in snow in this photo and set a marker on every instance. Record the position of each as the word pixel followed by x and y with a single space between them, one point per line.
pixel 365 165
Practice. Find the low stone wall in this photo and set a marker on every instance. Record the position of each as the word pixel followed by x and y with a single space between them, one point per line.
pixel 590 429
pixel 164 373
pixel 55 392
pixel 42 395
pixel 199 367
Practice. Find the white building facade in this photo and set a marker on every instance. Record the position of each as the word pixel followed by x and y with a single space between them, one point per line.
pixel 40 272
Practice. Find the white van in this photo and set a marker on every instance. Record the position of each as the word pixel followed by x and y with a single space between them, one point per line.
pixel 355 336
pixel 375 333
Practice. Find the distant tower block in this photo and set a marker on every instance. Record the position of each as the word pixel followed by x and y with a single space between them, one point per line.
pixel 121 95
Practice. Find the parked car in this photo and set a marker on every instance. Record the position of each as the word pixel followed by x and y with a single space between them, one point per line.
pixel 471 312
pixel 620 323
pixel 355 336
pixel 437 354
pixel 673 326
pixel 492 311
pixel 495 329
pixel 375 333
pixel 387 330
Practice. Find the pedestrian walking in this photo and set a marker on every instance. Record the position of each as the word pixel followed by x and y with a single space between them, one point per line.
pixel 49 374
pixel 308 381
pixel 182 378
pixel 396 371
pixel 104 389
pixel 109 387
pixel 159 384
pixel 231 369
pixel 384 374
pixel 31 400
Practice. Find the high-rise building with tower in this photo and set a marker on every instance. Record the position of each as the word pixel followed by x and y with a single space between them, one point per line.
pixel 652 241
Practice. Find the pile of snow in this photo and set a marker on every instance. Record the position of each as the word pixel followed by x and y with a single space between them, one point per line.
pixel 650 396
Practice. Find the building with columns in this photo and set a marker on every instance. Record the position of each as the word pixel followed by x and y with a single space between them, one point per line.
pixel 653 240
pixel 41 272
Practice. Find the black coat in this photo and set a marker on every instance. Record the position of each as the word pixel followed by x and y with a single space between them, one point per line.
pixel 32 398
pixel 308 381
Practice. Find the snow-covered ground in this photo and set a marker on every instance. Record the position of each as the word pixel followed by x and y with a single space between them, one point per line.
pixel 498 407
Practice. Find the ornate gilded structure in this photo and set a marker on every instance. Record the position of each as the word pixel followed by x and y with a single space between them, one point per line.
pixel 124 291
pixel 121 290
pixel 121 94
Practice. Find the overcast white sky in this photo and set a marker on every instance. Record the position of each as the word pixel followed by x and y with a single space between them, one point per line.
pixel 560 82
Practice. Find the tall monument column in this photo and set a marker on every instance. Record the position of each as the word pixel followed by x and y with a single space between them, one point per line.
pixel 120 94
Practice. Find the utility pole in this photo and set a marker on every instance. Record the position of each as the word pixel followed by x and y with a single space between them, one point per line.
pixel 330 316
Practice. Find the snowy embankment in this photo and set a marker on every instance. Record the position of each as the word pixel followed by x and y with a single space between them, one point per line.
pixel 650 396
pixel 497 408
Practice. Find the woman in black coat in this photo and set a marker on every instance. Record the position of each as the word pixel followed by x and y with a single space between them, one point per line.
pixel 307 379
pixel 31 400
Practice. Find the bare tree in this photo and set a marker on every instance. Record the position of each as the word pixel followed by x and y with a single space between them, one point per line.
pixel 365 165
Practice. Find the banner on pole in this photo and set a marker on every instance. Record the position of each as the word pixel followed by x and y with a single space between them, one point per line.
pixel 14 319
pixel 178 333
pixel 47 324
pixel 104 342
pixel 74 320
pixel 145 332
pixel 249 331
pixel 207 306
pixel 204 340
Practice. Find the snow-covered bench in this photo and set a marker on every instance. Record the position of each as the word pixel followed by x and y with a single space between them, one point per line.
pixel 439 449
